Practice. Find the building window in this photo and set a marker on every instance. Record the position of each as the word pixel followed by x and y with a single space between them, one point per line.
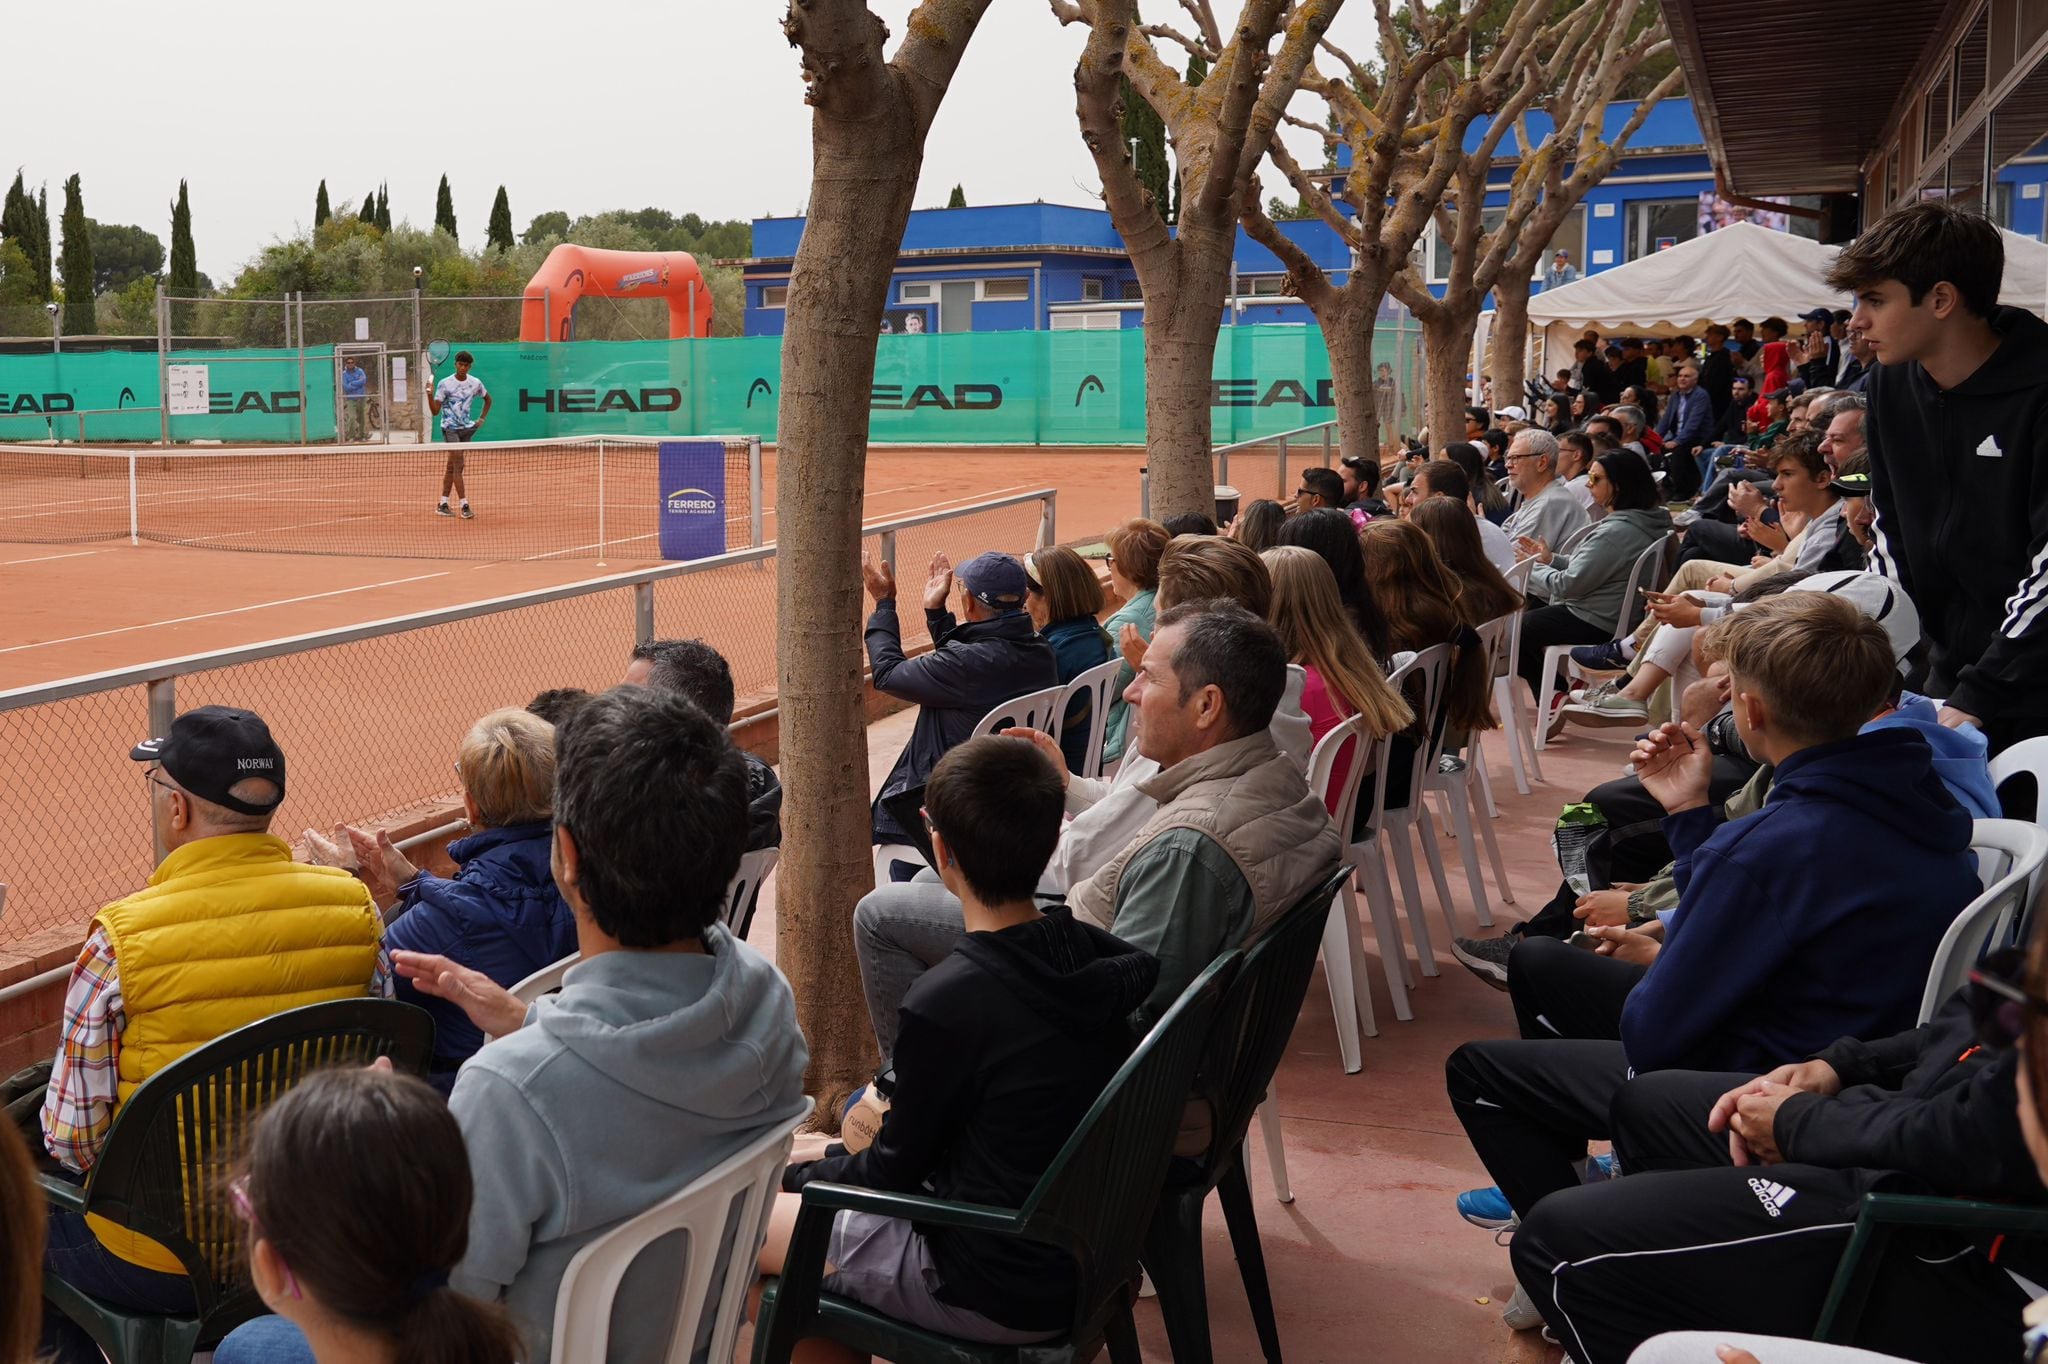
pixel 1104 321
pixel 1261 286
pixel 1440 247
pixel 1015 290
pixel 1133 291
pixel 775 295
pixel 1656 223
pixel 1091 289
pixel 910 291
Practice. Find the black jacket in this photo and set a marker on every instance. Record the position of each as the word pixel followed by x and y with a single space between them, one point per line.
pixel 1003 1047
pixel 1717 377
pixel 1594 375
pixel 1961 483
pixel 764 805
pixel 973 668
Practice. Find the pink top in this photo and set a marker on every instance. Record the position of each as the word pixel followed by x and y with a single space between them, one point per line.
pixel 1326 710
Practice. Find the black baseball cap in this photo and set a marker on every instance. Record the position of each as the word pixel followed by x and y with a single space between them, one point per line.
pixel 210 749
pixel 1817 315
pixel 1851 485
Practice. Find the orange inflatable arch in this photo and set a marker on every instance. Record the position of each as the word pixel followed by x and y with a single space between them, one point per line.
pixel 571 272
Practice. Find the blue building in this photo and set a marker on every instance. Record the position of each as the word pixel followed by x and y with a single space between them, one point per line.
pixel 1008 267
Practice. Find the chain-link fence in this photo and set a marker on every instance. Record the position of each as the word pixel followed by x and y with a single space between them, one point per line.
pixel 369 716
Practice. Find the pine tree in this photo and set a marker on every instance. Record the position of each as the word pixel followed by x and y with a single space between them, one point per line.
pixel 384 208
pixel 444 210
pixel 499 235
pixel 369 213
pixel 959 199
pixel 321 211
pixel 79 317
pixel 184 271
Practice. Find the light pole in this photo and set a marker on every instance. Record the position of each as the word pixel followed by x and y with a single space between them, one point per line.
pixel 56 328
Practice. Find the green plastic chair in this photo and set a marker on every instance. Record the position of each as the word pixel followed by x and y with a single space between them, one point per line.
pixel 1093 1202
pixel 1880 1216
pixel 1245 1046
pixel 162 1171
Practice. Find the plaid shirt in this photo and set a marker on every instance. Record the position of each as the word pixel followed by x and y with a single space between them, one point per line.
pixel 85 1081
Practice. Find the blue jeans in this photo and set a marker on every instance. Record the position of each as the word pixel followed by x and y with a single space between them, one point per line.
pixel 265 1340
pixel 76 1256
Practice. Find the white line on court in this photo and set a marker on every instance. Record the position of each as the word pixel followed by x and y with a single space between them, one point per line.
pixel 230 611
pixel 45 558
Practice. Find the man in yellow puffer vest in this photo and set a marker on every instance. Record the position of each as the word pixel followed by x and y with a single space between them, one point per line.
pixel 229 931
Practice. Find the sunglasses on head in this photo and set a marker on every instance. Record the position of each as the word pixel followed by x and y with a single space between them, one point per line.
pixel 1999 1004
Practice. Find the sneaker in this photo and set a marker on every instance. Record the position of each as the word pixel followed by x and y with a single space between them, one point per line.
pixel 1553 724
pixel 467 514
pixel 1486 958
pixel 1581 695
pixel 1608 708
pixel 1520 1313
pixel 1610 657
pixel 1485 1208
pixel 442 510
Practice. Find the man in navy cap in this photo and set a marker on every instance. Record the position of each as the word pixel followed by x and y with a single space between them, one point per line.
pixel 1817 353
pixel 229 931
pixel 976 663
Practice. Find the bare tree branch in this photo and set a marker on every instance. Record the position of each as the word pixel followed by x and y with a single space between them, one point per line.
pixel 935 38
pixel 1305 279
pixel 1194 46
pixel 1205 23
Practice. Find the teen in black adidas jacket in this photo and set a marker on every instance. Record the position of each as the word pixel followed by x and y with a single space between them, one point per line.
pixel 1960 479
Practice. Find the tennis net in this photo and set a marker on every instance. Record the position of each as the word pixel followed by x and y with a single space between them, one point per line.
pixel 591 497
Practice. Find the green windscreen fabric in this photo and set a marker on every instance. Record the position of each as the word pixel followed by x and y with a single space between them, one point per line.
pixel 253 395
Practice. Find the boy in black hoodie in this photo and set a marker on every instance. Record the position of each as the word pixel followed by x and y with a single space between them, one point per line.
pixel 1958 435
pixel 1001 1050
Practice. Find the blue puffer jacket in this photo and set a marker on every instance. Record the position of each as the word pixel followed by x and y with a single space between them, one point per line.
pixel 501 915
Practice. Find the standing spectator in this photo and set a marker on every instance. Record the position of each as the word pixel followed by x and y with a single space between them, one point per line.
pixel 355 399
pixel 1134 550
pixel 1774 355
pixel 502 913
pixel 1064 597
pixel 274 934
pixel 1958 435
pixel 356 1192
pixel 698 673
pixel 1687 421
pixel 1816 352
pixel 1548 511
pixel 1561 271
pixel 1717 370
pixel 1633 371
pixel 1385 399
pixel 1855 375
pixel 974 666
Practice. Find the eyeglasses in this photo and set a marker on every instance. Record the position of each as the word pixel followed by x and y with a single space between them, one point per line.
pixel 1999 1005
pixel 1306 492
pixel 238 1198
pixel 149 779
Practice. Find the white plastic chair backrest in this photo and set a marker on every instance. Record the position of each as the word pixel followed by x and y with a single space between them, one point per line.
pixel 715 1276
pixel 1098 681
pixel 1033 710
pixel 2027 758
pixel 1650 561
pixel 1433 665
pixel 1322 770
pixel 545 981
pixel 2010 854
pixel 746 889
pixel 1494 637
pixel 1570 542
pixel 1518 578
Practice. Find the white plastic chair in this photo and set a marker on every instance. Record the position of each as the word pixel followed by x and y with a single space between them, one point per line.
pixel 1557 658
pixel 745 892
pixel 1098 682
pixel 1520 737
pixel 1344 967
pixel 736 1194
pixel 1462 786
pixel 1432 665
pixel 2027 758
pixel 2012 851
pixel 545 981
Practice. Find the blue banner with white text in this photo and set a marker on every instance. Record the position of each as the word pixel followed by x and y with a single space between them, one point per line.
pixel 692 498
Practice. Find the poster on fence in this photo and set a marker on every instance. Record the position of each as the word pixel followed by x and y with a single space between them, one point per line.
pixel 692 498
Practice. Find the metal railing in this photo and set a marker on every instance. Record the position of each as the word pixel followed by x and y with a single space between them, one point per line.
pixel 1221 454
pixel 369 715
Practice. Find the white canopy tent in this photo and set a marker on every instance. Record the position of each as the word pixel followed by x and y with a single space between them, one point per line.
pixel 1739 271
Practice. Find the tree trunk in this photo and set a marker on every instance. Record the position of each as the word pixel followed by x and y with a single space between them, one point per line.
pixel 1447 360
pixel 1507 353
pixel 1181 325
pixel 865 174
pixel 1347 336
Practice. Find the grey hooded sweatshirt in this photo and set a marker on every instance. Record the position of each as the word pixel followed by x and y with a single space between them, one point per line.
pixel 1593 578
pixel 646 1070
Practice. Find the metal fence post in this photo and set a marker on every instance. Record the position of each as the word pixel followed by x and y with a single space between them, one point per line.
pixel 163 361
pixel 1048 530
pixel 889 551
pixel 1223 467
pixel 600 503
pixel 1145 492
pixel 1281 484
pixel 1326 445
pixel 134 508
pixel 643 613
pixel 301 305
pixel 163 708
pixel 755 514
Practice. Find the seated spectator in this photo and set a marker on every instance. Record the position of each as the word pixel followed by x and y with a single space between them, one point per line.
pixel 21 1250
pixel 1001 1049
pixel 1748 974
pixel 1585 404
pixel 501 914
pixel 1442 478
pixel 699 674
pixel 1487 498
pixel 1494 445
pixel 1739 1180
pixel 1477 421
pixel 1841 427
pixel 1575 452
pixel 1320 488
pixel 1341 678
pixel 1633 424
pixel 1257 527
pixel 1548 511
pixel 1134 550
pixel 1484 594
pixel 974 665
pixel 1422 610
pixel 1064 597
pixel 1332 535
pixel 1238 837
pixel 276 934
pixel 554 704
pixel 1361 486
pixel 1554 414
pixel 357 1193
pixel 1582 591
pixel 1191 523
pixel 1645 400
pixel 671 1045
pixel 1774 355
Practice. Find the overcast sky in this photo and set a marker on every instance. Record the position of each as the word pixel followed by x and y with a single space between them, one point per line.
pixel 689 105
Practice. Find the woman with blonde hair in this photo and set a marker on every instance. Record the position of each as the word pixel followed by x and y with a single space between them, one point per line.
pixel 1341 677
pixel 1063 597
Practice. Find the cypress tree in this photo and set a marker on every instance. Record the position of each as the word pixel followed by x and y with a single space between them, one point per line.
pixel 384 208
pixel 959 199
pixel 1141 122
pixel 18 224
pixel 369 213
pixel 321 211
pixel 184 271
pixel 444 210
pixel 499 236
pixel 45 258
pixel 77 264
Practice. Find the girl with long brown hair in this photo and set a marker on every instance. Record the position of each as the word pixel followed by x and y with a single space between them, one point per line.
pixel 1418 596
pixel 1485 594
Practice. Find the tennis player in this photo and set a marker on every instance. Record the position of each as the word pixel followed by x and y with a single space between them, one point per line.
pixel 451 398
